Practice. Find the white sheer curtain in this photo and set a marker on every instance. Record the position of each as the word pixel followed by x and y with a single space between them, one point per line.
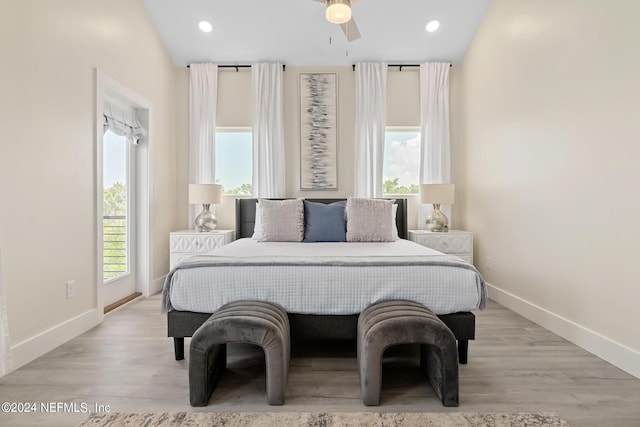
pixel 203 98
pixel 268 130
pixel 435 162
pixel 371 112
pixel 5 344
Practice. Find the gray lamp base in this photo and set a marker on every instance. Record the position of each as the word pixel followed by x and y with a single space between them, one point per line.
pixel 206 221
pixel 437 221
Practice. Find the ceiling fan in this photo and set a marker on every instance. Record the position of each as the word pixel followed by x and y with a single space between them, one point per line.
pixel 339 12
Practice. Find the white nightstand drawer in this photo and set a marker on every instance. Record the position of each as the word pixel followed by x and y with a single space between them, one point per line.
pixel 196 243
pixel 177 258
pixel 454 242
pixel 446 242
pixel 184 244
pixel 467 258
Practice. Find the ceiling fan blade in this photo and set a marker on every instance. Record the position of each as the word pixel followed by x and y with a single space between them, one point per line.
pixel 350 30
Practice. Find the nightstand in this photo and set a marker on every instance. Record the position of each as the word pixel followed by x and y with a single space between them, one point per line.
pixel 454 242
pixel 185 243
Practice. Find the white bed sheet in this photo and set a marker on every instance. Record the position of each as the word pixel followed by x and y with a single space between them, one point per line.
pixel 337 278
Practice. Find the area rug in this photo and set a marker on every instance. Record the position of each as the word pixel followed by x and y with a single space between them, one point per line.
pixel 334 419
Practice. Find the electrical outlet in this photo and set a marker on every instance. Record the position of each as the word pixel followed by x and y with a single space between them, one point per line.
pixel 488 262
pixel 71 289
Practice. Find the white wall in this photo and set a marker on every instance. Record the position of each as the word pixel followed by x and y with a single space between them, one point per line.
pixel 234 109
pixel 545 132
pixel 47 111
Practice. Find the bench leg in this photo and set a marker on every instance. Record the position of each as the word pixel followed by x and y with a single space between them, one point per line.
pixel 276 371
pixel 205 369
pixel 463 351
pixel 178 347
pixel 370 375
pixel 441 368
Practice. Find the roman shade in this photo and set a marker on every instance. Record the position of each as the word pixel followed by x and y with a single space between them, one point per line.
pixel 122 123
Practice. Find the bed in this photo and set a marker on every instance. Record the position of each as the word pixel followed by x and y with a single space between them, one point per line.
pixel 323 286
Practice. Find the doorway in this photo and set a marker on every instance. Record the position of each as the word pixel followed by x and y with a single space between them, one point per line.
pixel 123 195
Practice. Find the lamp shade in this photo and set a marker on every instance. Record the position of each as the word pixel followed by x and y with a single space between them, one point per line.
pixel 205 194
pixel 338 11
pixel 437 194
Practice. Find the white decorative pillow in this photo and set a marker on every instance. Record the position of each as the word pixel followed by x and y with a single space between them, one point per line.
pixel 394 224
pixel 257 223
pixel 368 220
pixel 282 220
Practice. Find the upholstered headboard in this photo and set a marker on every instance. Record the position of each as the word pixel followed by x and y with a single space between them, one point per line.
pixel 246 216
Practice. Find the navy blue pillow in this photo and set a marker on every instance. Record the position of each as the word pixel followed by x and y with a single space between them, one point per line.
pixel 325 222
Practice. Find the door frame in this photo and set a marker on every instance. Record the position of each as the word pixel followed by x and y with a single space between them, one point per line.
pixel 107 86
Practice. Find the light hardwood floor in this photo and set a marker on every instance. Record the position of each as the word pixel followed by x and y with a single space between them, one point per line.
pixel 514 366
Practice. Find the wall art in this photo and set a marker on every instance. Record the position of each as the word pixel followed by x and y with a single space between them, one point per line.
pixel 318 135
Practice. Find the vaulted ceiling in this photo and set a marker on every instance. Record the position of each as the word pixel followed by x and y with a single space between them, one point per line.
pixel 296 32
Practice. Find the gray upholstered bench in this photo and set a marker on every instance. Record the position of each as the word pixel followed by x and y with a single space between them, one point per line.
pixel 387 323
pixel 255 322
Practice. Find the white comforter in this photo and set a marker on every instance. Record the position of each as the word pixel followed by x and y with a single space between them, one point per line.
pixel 324 278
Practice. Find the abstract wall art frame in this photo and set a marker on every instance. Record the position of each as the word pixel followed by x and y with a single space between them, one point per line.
pixel 318 131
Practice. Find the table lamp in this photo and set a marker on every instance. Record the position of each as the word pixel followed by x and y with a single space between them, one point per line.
pixel 437 194
pixel 205 194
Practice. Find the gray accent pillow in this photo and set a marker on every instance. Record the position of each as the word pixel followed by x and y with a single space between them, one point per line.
pixel 369 220
pixel 282 220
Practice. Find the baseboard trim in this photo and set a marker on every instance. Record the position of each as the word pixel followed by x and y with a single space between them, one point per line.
pixel 156 285
pixel 122 302
pixel 42 343
pixel 605 348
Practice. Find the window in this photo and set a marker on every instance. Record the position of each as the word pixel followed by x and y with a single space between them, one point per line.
pixel 401 164
pixel 234 160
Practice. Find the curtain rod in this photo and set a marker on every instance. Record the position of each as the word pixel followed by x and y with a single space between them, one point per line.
pixel 398 65
pixel 238 66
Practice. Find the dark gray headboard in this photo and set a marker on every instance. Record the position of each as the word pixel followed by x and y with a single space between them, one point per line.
pixel 246 216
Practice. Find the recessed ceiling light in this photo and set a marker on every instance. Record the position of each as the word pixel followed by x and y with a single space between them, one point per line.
pixel 205 26
pixel 432 25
